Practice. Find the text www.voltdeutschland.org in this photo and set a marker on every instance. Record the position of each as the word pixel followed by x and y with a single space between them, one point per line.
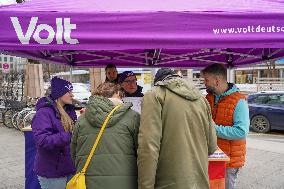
pixel 249 29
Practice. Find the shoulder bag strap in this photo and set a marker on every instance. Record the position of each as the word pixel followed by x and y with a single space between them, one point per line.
pixel 98 139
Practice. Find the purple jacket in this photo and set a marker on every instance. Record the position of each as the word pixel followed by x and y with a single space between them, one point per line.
pixel 53 157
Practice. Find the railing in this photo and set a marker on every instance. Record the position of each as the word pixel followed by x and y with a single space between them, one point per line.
pixel 270 84
pixel 262 84
pixel 199 83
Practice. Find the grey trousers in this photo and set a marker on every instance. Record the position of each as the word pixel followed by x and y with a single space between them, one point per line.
pixel 231 177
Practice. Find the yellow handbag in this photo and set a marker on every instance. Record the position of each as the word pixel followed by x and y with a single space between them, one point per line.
pixel 78 181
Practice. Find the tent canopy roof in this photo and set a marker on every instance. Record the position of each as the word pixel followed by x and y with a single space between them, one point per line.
pixel 194 58
pixel 135 33
pixel 151 6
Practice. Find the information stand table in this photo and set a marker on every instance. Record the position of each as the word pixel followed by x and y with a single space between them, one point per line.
pixel 31 181
pixel 217 169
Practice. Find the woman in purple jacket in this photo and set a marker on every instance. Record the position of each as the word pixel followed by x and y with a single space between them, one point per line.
pixel 52 127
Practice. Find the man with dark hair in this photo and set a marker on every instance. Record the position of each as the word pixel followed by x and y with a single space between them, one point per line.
pixel 231 114
pixel 176 135
pixel 128 82
pixel 111 74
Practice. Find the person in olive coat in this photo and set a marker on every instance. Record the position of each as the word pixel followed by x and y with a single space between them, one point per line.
pixel 176 135
pixel 114 164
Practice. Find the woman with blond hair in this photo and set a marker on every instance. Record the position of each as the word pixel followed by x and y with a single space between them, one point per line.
pixel 52 126
pixel 113 165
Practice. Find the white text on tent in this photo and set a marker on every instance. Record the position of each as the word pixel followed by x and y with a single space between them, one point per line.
pixel 62 31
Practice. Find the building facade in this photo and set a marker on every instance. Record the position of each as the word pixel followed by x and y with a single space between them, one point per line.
pixel 11 63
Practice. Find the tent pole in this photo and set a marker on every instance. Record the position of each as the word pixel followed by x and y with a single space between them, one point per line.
pixel 71 69
pixel 231 74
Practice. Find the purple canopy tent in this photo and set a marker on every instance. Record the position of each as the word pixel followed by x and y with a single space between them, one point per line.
pixel 136 33
pixel 174 33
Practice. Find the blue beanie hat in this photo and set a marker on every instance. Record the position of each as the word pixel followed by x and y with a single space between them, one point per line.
pixel 125 75
pixel 59 87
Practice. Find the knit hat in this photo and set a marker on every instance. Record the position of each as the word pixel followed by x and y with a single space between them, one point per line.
pixel 59 87
pixel 125 75
pixel 162 74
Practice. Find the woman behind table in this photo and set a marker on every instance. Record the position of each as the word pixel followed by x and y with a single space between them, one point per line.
pixel 111 74
pixel 114 165
pixel 52 127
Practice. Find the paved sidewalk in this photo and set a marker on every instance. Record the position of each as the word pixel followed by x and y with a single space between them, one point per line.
pixel 12 161
pixel 263 170
pixel 264 167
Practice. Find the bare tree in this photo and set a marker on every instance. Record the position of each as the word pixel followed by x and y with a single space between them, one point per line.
pixel 20 1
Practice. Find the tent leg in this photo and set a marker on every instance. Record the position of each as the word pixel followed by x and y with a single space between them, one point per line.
pixel 231 75
pixel 71 69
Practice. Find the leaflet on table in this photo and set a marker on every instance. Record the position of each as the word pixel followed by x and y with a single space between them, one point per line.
pixel 218 154
pixel 136 101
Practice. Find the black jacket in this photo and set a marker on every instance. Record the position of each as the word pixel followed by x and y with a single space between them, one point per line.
pixel 138 93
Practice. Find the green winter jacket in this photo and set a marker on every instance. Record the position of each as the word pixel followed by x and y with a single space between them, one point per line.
pixel 114 164
pixel 176 135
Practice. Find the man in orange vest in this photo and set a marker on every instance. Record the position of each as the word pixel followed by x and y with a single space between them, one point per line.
pixel 231 114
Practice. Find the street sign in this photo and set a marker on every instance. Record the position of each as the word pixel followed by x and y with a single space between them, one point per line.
pixel 5 67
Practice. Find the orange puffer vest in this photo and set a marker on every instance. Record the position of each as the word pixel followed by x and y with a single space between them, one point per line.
pixel 222 114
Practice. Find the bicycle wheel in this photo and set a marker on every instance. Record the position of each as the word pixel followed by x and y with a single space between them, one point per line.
pixel 28 119
pixel 14 120
pixel 7 118
pixel 1 118
pixel 21 116
pixel 2 110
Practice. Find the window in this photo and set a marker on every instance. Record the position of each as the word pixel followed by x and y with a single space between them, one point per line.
pixel 5 59
pixel 270 99
pixel 281 98
pixel 0 58
pixel 11 65
pixel 262 99
pixel 11 59
pixel 273 99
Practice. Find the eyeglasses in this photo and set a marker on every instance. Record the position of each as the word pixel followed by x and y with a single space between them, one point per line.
pixel 130 81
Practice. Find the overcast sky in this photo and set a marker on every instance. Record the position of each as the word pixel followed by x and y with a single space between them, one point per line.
pixel 7 2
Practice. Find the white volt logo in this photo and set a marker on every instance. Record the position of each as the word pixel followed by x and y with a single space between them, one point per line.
pixel 62 32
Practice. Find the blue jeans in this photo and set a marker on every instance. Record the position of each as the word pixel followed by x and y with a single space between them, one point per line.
pixel 231 177
pixel 53 183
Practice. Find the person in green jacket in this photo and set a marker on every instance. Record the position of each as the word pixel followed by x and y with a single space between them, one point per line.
pixel 176 135
pixel 114 164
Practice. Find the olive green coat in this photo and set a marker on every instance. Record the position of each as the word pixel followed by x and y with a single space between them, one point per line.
pixel 176 136
pixel 114 164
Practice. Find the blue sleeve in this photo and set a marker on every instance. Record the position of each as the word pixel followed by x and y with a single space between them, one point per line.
pixel 241 123
pixel 44 135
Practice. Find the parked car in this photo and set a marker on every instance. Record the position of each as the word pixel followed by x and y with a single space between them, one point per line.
pixel 266 111
pixel 81 93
